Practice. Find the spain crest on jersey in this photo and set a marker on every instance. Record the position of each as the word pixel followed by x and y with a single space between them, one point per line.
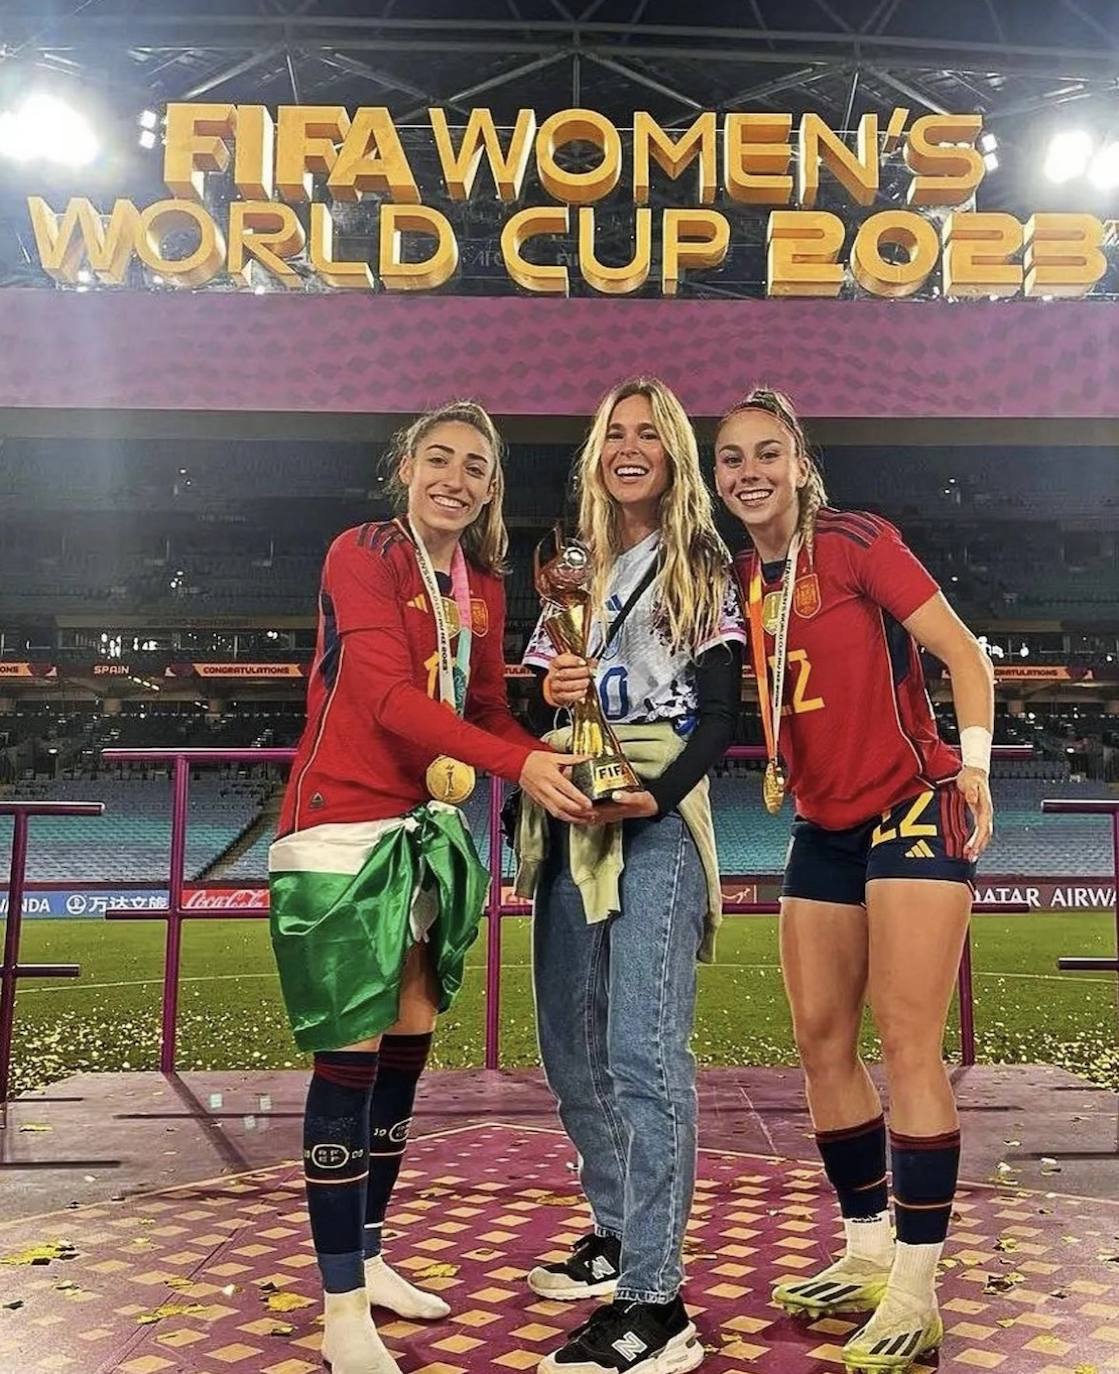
pixel 806 596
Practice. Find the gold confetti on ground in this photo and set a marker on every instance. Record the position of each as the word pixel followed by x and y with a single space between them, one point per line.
pixel 170 1309
pixel 286 1302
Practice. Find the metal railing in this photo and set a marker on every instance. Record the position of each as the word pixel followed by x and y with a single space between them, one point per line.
pixel 1091 806
pixel 12 970
pixel 175 913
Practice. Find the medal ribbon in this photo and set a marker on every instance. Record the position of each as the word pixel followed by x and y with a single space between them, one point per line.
pixel 770 704
pixel 454 670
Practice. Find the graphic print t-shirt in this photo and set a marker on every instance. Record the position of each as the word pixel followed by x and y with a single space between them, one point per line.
pixel 640 677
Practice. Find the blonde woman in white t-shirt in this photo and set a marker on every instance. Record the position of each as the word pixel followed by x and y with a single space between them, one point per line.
pixel 615 984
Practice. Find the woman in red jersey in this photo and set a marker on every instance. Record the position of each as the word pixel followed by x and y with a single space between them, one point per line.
pixel 878 883
pixel 376 888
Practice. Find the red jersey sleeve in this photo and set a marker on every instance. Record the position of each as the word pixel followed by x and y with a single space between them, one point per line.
pixel 487 701
pixel 890 573
pixel 362 587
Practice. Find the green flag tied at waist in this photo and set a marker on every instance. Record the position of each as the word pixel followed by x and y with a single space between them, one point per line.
pixel 347 904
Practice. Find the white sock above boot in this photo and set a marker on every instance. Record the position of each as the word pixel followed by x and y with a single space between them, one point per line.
pixel 384 1287
pixel 914 1270
pixel 870 1239
pixel 350 1343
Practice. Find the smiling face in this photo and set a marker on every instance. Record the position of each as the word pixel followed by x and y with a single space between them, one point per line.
pixel 635 466
pixel 759 472
pixel 449 478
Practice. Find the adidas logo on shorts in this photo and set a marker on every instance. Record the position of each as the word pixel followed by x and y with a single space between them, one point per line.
pixel 920 850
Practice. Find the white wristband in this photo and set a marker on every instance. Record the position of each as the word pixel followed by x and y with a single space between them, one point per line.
pixel 975 747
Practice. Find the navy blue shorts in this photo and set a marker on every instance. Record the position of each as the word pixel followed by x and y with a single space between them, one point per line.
pixel 922 837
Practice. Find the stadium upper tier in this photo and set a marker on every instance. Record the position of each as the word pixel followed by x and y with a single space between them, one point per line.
pixel 214 478
pixel 1023 576
pixel 195 529
pixel 230 831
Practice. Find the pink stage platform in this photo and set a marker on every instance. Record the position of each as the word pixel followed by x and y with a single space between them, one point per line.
pixel 158 1226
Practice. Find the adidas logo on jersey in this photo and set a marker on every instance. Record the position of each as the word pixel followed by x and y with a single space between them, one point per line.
pixel 920 850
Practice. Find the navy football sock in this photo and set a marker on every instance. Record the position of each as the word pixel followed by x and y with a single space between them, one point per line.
pixel 402 1062
pixel 925 1169
pixel 855 1163
pixel 336 1162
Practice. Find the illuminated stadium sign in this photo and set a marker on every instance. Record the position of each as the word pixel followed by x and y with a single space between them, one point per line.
pixel 745 161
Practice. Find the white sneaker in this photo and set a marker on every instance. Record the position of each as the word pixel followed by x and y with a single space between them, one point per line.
pixel 903 1328
pixel 384 1287
pixel 350 1344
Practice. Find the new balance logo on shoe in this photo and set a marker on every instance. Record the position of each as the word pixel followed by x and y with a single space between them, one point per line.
pixel 601 1268
pixel 920 851
pixel 630 1346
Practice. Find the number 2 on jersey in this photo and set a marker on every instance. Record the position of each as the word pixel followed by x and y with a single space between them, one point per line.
pixel 801 702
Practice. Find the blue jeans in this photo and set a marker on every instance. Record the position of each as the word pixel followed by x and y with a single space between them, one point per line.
pixel 615 1002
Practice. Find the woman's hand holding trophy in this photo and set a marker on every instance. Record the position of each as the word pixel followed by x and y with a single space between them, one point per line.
pixel 606 777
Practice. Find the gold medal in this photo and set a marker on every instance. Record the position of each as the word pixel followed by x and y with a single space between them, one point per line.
pixel 451 616
pixel 449 780
pixel 773 787
pixel 771 610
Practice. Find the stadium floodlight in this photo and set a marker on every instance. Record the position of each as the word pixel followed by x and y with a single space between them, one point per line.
pixel 1068 155
pixel 149 119
pixel 147 138
pixel 47 128
pixel 988 143
pixel 1104 171
pixel 991 162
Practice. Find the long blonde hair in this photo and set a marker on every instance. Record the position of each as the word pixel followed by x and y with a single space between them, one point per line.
pixel 485 540
pixel 692 580
pixel 813 494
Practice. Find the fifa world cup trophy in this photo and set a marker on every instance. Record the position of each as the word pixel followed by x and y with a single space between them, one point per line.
pixel 563 574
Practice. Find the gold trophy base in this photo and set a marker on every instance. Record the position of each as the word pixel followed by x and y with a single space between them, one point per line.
pixel 607 771
pixel 600 780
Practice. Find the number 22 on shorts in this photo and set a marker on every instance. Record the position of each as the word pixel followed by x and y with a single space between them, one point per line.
pixel 910 826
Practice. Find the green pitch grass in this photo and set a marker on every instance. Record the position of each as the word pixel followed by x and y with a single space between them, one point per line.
pixel 231 1016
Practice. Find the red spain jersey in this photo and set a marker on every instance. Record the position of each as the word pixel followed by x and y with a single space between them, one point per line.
pixel 373 719
pixel 858 733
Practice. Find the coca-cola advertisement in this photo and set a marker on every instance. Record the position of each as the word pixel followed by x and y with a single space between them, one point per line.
pixel 225 898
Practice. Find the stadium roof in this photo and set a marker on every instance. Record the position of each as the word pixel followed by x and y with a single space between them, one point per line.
pixel 1014 60
pixel 1000 56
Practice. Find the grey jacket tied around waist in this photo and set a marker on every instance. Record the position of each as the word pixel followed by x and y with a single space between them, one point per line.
pixel 596 857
